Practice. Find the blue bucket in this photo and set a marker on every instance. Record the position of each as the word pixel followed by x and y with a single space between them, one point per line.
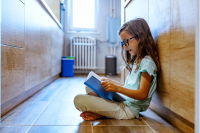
pixel 67 66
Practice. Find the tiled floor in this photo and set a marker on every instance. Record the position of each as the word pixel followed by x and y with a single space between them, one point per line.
pixel 51 110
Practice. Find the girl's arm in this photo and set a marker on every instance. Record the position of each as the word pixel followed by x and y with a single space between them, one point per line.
pixel 140 94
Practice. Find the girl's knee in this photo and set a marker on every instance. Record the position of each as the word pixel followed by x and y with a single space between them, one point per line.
pixel 78 99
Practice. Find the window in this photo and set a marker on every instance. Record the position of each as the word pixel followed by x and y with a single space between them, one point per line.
pixel 82 15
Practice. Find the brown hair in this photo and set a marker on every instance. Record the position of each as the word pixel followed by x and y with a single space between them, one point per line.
pixel 147 46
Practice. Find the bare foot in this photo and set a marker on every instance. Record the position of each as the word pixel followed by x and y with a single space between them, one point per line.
pixel 90 116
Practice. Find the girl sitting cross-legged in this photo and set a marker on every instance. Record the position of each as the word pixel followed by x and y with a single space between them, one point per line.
pixel 140 55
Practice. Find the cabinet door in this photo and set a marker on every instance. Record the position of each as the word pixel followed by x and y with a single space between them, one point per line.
pixel 12 32
pixel 12 72
pixel 130 10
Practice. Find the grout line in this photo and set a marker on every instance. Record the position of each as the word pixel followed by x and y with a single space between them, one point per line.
pixel 81 125
pixel 148 125
pixel 120 125
pixel 12 46
pixel 92 127
pixel 48 104
pixel 28 129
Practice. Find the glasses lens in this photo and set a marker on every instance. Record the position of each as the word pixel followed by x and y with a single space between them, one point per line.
pixel 126 43
pixel 122 43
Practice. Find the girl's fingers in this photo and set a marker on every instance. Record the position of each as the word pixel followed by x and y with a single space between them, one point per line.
pixel 103 79
pixel 104 86
pixel 103 82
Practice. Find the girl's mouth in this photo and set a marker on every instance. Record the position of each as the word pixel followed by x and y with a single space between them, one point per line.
pixel 129 50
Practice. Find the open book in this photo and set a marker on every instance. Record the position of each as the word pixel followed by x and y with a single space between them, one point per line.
pixel 93 81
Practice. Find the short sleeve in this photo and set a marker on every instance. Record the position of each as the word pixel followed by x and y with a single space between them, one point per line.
pixel 148 65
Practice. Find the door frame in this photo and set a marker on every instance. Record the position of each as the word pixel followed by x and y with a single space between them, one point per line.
pixel 197 72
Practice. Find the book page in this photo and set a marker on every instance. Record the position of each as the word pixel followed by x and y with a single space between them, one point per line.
pixel 93 74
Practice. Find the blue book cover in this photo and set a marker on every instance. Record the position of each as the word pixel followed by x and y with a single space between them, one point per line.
pixel 93 82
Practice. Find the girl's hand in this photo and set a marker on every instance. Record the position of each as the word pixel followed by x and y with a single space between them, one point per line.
pixel 104 79
pixel 109 86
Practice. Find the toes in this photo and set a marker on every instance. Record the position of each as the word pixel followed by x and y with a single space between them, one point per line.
pixel 86 119
pixel 82 114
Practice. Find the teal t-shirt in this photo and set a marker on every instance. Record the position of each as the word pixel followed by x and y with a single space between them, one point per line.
pixel 133 82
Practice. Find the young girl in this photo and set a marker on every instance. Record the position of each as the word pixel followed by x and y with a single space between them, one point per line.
pixel 140 55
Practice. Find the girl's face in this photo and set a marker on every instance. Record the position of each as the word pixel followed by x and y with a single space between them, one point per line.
pixel 133 43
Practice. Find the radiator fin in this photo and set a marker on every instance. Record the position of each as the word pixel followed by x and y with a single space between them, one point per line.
pixel 84 51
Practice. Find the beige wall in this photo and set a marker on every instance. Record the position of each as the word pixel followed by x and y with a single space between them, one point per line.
pixel 172 23
pixel 55 7
pixel 32 50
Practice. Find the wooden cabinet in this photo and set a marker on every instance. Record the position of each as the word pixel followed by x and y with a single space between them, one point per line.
pixel 31 56
pixel 13 52
pixel 12 72
pixel 57 50
pixel 33 53
pixel 12 24
pixel 172 24
pixel 44 45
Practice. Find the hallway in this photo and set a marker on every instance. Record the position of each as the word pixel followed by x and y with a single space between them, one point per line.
pixel 51 110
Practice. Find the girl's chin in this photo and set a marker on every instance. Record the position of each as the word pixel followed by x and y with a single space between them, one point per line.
pixel 132 53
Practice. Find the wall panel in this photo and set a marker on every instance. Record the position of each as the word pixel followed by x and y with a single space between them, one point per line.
pixel 56 49
pixel 183 58
pixel 45 43
pixel 135 9
pixel 172 24
pixel 55 7
pixel 12 23
pixel 32 42
pixel 38 61
pixel 12 72
pixel 159 23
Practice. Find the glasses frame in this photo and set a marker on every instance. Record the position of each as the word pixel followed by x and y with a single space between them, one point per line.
pixel 124 43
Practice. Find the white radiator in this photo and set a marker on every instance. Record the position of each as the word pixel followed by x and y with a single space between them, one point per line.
pixel 84 51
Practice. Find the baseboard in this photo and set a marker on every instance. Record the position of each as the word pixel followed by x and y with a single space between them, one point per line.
pixel 98 70
pixel 100 74
pixel 23 96
pixel 180 122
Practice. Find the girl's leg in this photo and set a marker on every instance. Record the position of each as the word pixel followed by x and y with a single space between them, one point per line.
pixel 90 92
pixel 102 107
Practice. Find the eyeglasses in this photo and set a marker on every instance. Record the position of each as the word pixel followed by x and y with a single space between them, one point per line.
pixel 125 42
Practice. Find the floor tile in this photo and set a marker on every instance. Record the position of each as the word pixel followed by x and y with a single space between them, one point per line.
pixel 60 129
pixel 68 92
pixel 25 114
pixel 151 118
pixel 166 129
pixel 61 113
pixel 52 110
pixel 113 122
pixel 14 129
pixel 122 129
pixel 49 92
